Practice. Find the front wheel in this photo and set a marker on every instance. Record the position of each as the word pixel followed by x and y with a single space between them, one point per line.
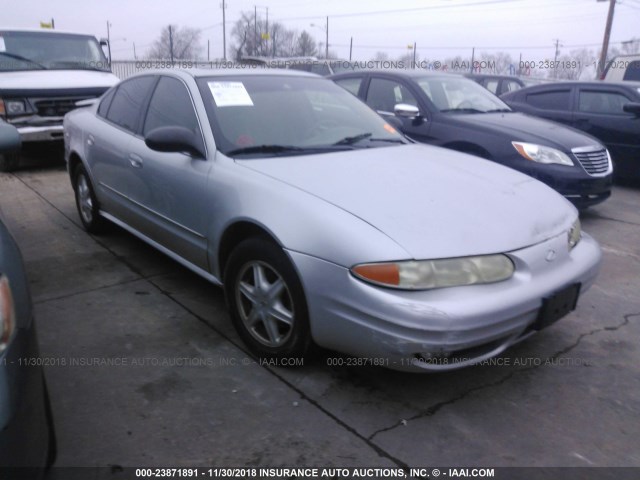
pixel 86 202
pixel 266 301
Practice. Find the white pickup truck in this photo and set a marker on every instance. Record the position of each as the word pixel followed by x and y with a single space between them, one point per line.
pixel 43 74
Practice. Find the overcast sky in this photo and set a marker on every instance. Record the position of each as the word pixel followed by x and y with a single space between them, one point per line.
pixel 440 28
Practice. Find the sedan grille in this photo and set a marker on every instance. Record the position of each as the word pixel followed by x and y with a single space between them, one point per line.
pixel 594 161
pixel 56 107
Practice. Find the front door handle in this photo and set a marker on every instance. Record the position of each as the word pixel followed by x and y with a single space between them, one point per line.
pixel 135 160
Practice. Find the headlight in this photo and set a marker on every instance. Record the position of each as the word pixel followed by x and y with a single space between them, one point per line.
pixel 7 313
pixel 14 107
pixel 542 154
pixel 427 274
pixel 575 234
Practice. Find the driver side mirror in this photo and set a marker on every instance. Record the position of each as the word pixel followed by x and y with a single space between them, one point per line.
pixel 175 140
pixel 632 108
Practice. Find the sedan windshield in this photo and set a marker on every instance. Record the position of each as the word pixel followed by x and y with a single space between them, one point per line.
pixel 50 51
pixel 456 94
pixel 274 115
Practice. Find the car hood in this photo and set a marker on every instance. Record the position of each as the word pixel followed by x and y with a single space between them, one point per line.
pixel 56 79
pixel 433 202
pixel 525 128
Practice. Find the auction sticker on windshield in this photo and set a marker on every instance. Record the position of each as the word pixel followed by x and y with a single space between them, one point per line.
pixel 230 94
pixel 3 48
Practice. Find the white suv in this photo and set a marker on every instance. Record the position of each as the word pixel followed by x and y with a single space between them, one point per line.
pixel 43 74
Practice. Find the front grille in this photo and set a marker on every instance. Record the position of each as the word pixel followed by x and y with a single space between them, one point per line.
pixel 594 161
pixel 56 107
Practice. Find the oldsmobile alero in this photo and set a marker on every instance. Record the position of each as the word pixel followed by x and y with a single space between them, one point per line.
pixel 326 226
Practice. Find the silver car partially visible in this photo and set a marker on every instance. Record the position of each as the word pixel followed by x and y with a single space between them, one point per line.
pixel 325 226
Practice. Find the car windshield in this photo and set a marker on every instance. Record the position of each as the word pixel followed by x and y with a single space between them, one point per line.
pixel 275 115
pixel 457 94
pixel 50 51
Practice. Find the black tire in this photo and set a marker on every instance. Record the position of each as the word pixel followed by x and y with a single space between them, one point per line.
pixel 86 202
pixel 261 321
pixel 9 162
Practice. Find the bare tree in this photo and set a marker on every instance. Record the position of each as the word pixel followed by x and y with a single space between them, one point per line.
pixel 177 43
pixel 498 63
pixel 306 46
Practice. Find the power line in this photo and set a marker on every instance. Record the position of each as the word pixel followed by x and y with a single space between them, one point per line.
pixel 402 10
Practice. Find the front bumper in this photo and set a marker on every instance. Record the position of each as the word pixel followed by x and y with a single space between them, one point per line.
pixel 576 185
pixel 46 133
pixel 440 329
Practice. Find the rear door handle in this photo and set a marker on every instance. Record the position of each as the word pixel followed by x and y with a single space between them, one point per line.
pixel 135 160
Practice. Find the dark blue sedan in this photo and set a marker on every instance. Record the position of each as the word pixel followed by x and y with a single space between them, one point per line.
pixel 451 111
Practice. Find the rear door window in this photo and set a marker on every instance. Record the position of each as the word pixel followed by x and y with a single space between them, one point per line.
pixel 551 100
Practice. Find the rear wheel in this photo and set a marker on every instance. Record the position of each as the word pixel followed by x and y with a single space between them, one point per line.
pixel 9 162
pixel 267 301
pixel 86 202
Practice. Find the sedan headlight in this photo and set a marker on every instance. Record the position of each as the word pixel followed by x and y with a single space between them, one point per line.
pixel 575 234
pixel 542 154
pixel 7 313
pixel 428 274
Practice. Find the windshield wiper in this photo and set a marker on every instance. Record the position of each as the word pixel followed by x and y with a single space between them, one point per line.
pixel 265 149
pixel 23 59
pixel 354 139
pixel 464 110
pixel 499 110
pixel 364 136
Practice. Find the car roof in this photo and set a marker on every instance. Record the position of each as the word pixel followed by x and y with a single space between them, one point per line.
pixel 594 83
pixel 241 70
pixel 401 73
pixel 44 30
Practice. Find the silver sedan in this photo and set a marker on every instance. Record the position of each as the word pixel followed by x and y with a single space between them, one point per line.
pixel 325 225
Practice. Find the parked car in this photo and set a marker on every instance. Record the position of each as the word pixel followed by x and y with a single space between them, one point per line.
pixel 451 111
pixel 27 438
pixel 43 73
pixel 323 223
pixel 608 111
pixel 500 84
pixel 622 67
pixel 321 66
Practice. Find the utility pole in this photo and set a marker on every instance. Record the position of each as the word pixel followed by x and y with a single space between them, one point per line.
pixel 350 48
pixel 326 47
pixel 224 31
pixel 473 58
pixel 135 57
pixel 607 34
pixel 53 24
pixel 171 43
pixel 555 59
pixel 109 41
pixel 208 46
pixel 255 29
